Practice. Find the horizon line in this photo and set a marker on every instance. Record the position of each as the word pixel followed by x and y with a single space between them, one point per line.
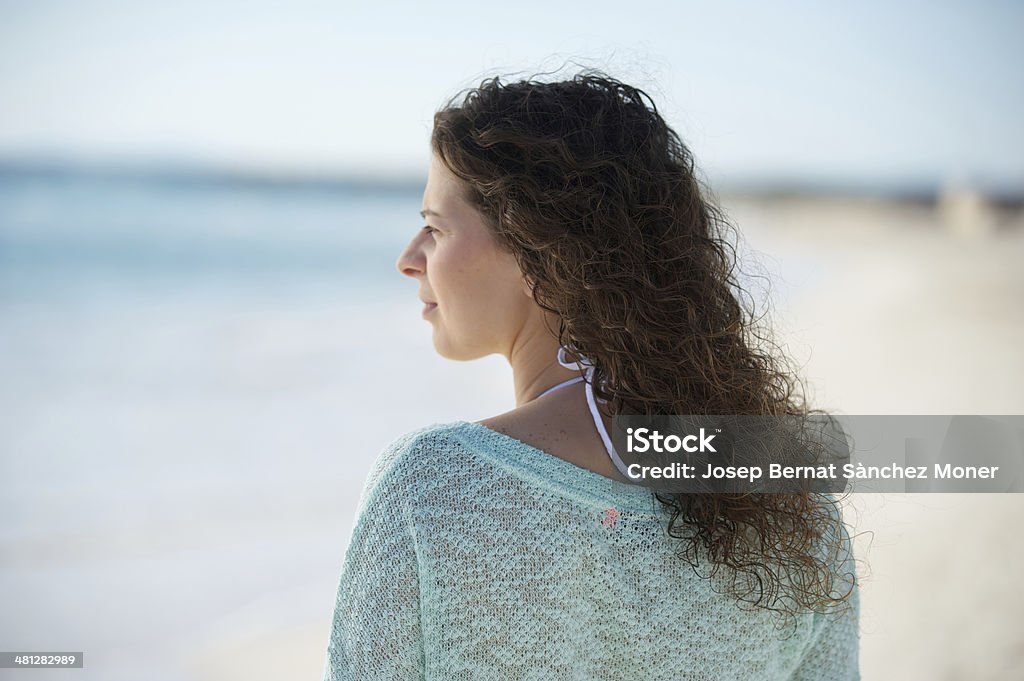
pixel 184 172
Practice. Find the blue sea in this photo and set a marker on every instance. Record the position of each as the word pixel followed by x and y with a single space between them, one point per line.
pixel 196 377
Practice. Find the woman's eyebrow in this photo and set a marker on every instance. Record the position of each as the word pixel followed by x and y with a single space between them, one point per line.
pixel 425 213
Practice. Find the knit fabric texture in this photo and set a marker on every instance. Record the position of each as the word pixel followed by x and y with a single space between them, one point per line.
pixel 477 556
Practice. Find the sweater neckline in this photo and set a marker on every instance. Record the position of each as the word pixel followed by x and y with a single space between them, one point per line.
pixel 558 475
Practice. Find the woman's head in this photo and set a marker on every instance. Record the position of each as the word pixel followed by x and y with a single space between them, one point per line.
pixel 583 185
pixel 595 197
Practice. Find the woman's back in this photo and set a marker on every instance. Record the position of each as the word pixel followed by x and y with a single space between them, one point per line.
pixel 476 555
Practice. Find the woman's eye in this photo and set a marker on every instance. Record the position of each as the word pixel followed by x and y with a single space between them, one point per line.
pixel 428 229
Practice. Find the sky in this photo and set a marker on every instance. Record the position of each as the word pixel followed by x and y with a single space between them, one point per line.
pixel 862 92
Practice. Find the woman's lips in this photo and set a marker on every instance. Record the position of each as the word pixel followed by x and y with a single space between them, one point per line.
pixel 428 308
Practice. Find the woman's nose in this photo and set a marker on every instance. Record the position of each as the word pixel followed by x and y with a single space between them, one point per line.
pixel 411 262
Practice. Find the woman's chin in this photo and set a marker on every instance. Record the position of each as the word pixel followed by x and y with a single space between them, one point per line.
pixel 456 352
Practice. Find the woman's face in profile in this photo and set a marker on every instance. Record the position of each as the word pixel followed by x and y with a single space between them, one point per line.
pixel 477 298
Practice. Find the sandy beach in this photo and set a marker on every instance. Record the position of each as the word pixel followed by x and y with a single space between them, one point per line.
pixel 920 319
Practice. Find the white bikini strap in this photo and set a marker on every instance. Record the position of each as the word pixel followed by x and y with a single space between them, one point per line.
pixel 560 385
pixel 592 403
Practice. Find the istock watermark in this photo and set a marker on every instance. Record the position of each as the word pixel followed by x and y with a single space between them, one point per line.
pixel 647 439
pixel 822 453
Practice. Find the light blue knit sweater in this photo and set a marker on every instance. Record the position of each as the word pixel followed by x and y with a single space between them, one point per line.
pixel 477 556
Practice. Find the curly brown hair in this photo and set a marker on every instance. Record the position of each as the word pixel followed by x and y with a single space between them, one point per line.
pixel 597 198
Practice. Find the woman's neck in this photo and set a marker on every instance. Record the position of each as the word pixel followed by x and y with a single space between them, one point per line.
pixel 535 366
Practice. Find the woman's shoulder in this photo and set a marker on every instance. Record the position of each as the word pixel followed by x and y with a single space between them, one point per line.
pixel 420 437
pixel 403 465
pixel 413 450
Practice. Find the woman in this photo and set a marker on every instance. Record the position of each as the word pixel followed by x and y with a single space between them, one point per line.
pixel 566 231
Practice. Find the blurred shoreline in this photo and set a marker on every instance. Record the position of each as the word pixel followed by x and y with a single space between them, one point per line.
pixel 1003 195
